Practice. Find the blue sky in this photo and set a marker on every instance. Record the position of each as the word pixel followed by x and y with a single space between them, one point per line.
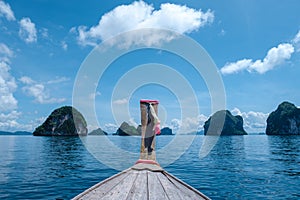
pixel 43 43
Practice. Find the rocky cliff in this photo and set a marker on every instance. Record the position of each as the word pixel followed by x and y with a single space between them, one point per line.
pixel 64 121
pixel 285 120
pixel 233 125
pixel 127 130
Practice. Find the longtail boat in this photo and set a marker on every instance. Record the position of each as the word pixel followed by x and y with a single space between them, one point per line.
pixel 145 179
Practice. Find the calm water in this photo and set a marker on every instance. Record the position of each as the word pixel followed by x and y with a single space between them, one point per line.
pixel 238 167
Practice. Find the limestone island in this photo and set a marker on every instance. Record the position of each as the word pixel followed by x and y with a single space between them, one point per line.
pixel 64 121
pixel 224 123
pixel 166 131
pixel 98 131
pixel 127 130
pixel 285 120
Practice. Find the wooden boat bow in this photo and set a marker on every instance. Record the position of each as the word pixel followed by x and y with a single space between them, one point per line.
pixel 146 179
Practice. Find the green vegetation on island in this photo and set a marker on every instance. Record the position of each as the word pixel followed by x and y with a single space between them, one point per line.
pixel 166 131
pixel 285 120
pixel 224 123
pixel 127 130
pixel 98 131
pixel 64 121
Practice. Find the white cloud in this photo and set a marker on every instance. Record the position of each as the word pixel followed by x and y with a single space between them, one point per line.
pixel 6 11
pixel 110 128
pixel 297 37
pixel 5 51
pixel 44 32
pixel 58 80
pixel 8 103
pixel 7 87
pixel 296 41
pixel 140 15
pixel 26 80
pixel 240 65
pixel 254 122
pixel 189 124
pixel 9 122
pixel 275 56
pixel 27 30
pixel 120 101
pixel 38 91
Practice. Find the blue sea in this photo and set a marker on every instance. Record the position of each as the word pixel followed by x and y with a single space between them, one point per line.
pixel 238 167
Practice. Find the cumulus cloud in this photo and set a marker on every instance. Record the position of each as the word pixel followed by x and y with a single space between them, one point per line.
pixel 26 80
pixel 8 103
pixel 38 91
pixel 189 124
pixel 275 56
pixel 140 15
pixel 6 11
pixel 9 122
pixel 5 51
pixel 110 128
pixel 235 67
pixel 254 122
pixel 27 31
pixel 7 87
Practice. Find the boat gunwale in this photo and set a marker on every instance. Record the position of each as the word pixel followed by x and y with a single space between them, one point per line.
pixel 184 184
pixel 99 184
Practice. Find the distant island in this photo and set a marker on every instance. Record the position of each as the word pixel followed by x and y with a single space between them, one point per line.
pixel 64 121
pixel 127 130
pixel 166 131
pixel 233 125
pixel 15 133
pixel 285 120
pixel 67 121
pixel 98 131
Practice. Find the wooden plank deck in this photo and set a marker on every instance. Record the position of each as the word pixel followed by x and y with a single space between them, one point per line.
pixel 141 183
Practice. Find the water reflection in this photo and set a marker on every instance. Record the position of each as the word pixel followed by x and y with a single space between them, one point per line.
pixel 64 153
pixel 8 155
pixel 229 147
pixel 284 150
pixel 225 168
pixel 124 154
